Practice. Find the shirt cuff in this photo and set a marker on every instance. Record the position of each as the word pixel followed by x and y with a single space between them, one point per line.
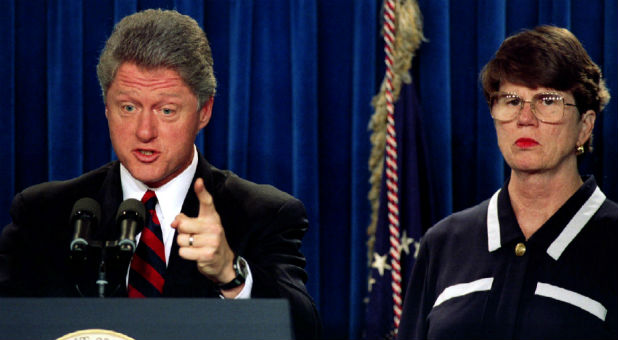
pixel 245 293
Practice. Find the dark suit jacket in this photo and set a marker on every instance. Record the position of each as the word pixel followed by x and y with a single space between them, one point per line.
pixel 262 224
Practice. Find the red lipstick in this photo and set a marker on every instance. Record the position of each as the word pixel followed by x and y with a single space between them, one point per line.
pixel 526 143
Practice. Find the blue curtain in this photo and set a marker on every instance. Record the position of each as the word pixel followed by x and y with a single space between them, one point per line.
pixel 293 103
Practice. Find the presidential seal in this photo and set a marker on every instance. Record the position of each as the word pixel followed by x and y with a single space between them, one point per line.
pixel 95 334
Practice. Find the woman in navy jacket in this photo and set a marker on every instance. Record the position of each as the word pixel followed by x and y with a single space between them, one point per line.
pixel 536 260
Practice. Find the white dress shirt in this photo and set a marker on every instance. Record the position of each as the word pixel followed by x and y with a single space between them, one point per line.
pixel 170 197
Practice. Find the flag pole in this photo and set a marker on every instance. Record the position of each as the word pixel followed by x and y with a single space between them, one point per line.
pixel 402 31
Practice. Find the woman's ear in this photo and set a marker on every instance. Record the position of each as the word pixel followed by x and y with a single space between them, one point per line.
pixel 587 125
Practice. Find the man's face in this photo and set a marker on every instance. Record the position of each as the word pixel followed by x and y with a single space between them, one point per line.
pixel 153 121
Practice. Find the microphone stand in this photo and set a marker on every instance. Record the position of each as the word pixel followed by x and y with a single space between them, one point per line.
pixel 111 254
pixel 115 254
pixel 102 279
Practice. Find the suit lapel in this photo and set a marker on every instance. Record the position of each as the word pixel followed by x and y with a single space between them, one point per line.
pixel 182 277
pixel 110 197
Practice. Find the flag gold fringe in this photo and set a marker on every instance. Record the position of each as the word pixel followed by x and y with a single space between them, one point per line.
pixel 408 37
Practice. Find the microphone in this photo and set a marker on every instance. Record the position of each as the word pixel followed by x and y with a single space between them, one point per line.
pixel 130 218
pixel 84 217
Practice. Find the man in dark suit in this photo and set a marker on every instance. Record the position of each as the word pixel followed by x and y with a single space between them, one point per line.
pixel 215 234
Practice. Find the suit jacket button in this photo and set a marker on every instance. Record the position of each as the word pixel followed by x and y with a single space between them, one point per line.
pixel 520 249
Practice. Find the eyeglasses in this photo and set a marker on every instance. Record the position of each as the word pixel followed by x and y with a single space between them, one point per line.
pixel 546 107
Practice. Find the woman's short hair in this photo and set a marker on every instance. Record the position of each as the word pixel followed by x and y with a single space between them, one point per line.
pixel 160 38
pixel 547 56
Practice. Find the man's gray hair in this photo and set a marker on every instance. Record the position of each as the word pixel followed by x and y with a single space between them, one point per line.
pixel 160 38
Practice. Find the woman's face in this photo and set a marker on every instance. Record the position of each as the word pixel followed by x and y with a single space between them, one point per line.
pixel 532 146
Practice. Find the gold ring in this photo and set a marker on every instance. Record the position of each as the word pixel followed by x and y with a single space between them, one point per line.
pixel 191 241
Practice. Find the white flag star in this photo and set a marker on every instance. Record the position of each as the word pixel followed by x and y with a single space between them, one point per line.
pixel 379 263
pixel 405 243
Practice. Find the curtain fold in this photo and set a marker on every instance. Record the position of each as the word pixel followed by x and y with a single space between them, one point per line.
pixel 305 126
pixel 7 128
pixel 240 86
pixel 364 86
pixel 435 89
pixel 334 114
pixel 464 72
pixel 30 96
pixel 489 172
pixel 608 149
pixel 64 90
pixel 97 23
pixel 218 24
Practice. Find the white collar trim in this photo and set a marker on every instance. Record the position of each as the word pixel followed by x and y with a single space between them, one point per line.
pixel 493 223
pixel 576 224
pixel 568 234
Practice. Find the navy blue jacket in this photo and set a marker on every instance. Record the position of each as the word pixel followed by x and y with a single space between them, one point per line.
pixel 262 224
pixel 477 276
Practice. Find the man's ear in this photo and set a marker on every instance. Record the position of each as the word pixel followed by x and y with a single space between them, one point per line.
pixel 205 113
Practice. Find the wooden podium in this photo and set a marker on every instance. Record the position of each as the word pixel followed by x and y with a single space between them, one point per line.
pixel 148 319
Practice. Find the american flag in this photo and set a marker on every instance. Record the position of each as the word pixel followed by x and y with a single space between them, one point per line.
pixel 414 210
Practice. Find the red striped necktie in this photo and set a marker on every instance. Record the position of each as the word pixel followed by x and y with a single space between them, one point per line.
pixel 147 273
